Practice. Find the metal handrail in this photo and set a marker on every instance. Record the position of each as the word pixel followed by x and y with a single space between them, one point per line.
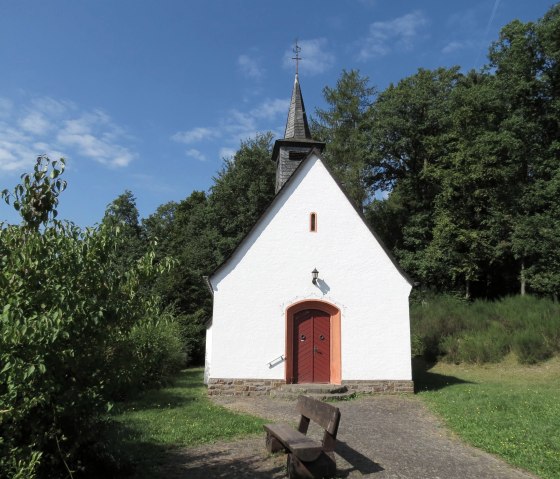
pixel 276 361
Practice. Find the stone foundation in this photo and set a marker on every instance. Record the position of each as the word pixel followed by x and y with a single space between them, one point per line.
pixel 262 387
pixel 380 387
pixel 242 387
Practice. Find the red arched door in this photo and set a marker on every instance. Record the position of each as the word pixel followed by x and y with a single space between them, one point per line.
pixel 312 346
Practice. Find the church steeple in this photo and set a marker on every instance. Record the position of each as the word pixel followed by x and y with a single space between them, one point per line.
pixel 297 143
pixel 297 126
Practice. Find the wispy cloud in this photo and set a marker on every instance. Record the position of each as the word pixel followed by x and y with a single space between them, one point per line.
pixel 235 126
pixel 227 152
pixel 250 67
pixel 240 125
pixel 316 58
pixel 399 33
pixel 196 154
pixel 195 135
pixel 455 46
pixel 94 136
pixel 489 24
pixel 59 128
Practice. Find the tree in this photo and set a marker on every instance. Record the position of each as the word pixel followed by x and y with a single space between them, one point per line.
pixel 122 214
pixel 36 198
pixel 242 190
pixel 342 127
pixel 409 139
pixel 525 60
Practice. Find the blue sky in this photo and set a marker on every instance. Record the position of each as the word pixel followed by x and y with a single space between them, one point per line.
pixel 150 95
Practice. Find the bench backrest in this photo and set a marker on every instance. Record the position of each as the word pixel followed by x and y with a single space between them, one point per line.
pixel 325 415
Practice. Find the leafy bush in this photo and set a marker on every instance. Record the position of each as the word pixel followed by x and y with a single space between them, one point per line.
pixel 66 312
pixel 157 349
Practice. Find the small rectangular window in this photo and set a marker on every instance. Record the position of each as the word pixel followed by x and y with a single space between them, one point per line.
pixel 313 222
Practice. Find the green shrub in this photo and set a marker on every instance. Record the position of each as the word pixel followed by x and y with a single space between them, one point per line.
pixel 66 310
pixel 531 347
pixel 157 349
pixel 484 331
pixel 478 347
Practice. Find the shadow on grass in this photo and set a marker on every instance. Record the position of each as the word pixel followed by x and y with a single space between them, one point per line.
pixel 121 454
pixel 136 459
pixel 359 462
pixel 174 395
pixel 424 380
pixel 162 399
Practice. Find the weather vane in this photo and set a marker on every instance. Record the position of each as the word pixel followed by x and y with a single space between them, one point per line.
pixel 297 58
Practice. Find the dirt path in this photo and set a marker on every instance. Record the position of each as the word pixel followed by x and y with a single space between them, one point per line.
pixel 379 437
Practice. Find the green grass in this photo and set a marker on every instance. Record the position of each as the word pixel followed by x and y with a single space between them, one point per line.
pixel 144 431
pixel 507 409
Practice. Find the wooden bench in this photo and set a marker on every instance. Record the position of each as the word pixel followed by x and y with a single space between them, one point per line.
pixel 307 458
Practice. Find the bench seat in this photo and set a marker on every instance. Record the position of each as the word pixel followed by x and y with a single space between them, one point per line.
pixel 301 446
pixel 306 457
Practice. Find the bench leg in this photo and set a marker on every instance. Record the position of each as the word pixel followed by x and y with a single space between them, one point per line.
pixel 273 445
pixel 324 466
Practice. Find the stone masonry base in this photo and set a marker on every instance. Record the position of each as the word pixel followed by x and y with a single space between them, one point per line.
pixel 262 387
pixel 242 387
pixel 380 387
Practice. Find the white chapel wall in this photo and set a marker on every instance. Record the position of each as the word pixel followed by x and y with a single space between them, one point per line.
pixel 272 270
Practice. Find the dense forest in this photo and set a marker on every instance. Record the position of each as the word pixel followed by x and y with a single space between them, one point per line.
pixel 457 171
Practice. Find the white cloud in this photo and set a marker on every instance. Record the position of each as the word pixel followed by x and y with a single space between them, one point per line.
pixel 35 123
pixel 249 67
pixel 398 33
pixel 455 46
pixel 196 154
pixel 94 135
pixel 60 129
pixel 195 135
pixel 235 127
pixel 239 125
pixel 271 108
pixel 315 58
pixel 227 152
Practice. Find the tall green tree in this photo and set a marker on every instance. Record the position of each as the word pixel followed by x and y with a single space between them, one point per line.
pixel 525 60
pixel 242 190
pixel 342 127
pixel 472 209
pixel 122 214
pixel 410 137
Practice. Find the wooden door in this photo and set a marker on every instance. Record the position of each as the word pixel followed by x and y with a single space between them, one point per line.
pixel 312 346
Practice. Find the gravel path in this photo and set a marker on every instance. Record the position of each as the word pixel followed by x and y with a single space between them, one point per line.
pixel 379 437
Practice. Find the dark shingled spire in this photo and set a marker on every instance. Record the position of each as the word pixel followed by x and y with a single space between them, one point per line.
pixel 296 126
pixel 297 143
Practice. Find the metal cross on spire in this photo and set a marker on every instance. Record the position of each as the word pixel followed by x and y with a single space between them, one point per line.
pixel 297 58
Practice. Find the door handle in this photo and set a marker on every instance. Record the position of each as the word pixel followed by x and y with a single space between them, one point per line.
pixel 315 349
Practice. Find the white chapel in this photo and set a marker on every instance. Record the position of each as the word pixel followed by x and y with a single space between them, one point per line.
pixel 310 295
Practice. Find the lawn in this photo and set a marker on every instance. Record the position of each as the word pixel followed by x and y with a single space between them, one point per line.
pixel 145 430
pixel 507 409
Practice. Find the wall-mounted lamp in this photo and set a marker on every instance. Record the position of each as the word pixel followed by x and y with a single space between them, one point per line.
pixel 315 275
